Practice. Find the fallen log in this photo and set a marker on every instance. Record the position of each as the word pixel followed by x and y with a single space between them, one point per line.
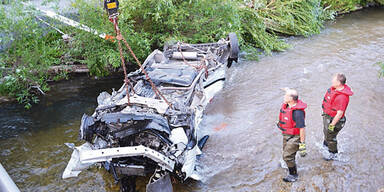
pixel 68 68
pixel 56 69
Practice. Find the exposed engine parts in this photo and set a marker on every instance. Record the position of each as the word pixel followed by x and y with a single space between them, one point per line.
pixel 147 135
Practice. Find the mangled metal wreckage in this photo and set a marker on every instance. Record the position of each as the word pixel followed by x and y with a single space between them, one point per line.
pixel 151 135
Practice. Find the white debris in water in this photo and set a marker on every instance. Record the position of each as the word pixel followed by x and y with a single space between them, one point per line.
pixel 283 164
pixel 75 166
pixel 306 71
pixel 320 67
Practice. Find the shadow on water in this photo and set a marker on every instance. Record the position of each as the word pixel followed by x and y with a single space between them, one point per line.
pixel 244 149
pixel 32 141
pixel 67 100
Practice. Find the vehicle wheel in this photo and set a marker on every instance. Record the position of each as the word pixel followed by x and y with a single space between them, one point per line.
pixel 229 62
pixel 233 49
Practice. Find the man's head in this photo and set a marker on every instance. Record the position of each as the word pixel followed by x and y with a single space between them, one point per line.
pixel 291 96
pixel 338 80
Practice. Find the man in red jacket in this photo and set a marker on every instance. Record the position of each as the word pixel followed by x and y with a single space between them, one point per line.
pixel 334 105
pixel 292 124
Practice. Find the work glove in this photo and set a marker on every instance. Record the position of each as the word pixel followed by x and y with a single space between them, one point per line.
pixel 331 128
pixel 302 149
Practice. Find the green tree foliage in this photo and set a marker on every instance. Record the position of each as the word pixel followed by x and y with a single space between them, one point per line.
pixel 147 25
pixel 345 6
pixel 381 65
pixel 294 17
pixel 32 51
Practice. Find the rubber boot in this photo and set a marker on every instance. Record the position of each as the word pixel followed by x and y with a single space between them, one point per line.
pixel 325 144
pixel 331 156
pixel 292 176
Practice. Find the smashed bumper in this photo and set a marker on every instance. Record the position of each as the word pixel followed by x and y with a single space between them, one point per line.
pixel 84 156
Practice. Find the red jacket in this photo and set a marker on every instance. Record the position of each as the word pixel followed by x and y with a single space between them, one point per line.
pixel 331 95
pixel 286 123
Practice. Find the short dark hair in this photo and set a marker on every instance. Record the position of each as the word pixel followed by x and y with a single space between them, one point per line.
pixel 341 77
pixel 295 97
pixel 292 93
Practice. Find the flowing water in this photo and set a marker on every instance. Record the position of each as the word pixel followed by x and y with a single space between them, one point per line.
pixel 244 149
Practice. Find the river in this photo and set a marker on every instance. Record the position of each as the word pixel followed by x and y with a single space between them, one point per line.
pixel 244 148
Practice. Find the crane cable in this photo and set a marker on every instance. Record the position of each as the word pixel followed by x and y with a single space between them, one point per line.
pixel 119 37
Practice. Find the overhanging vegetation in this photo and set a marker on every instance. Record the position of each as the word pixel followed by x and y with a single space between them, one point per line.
pixel 148 24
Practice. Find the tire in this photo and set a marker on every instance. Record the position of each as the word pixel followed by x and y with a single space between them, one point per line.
pixel 234 46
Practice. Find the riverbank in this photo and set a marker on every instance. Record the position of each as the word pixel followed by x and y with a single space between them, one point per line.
pixel 147 25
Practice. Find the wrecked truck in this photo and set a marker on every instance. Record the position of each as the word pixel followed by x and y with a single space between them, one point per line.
pixel 151 135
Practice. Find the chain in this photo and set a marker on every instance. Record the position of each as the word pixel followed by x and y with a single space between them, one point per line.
pixel 126 80
pixel 120 37
pixel 197 67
